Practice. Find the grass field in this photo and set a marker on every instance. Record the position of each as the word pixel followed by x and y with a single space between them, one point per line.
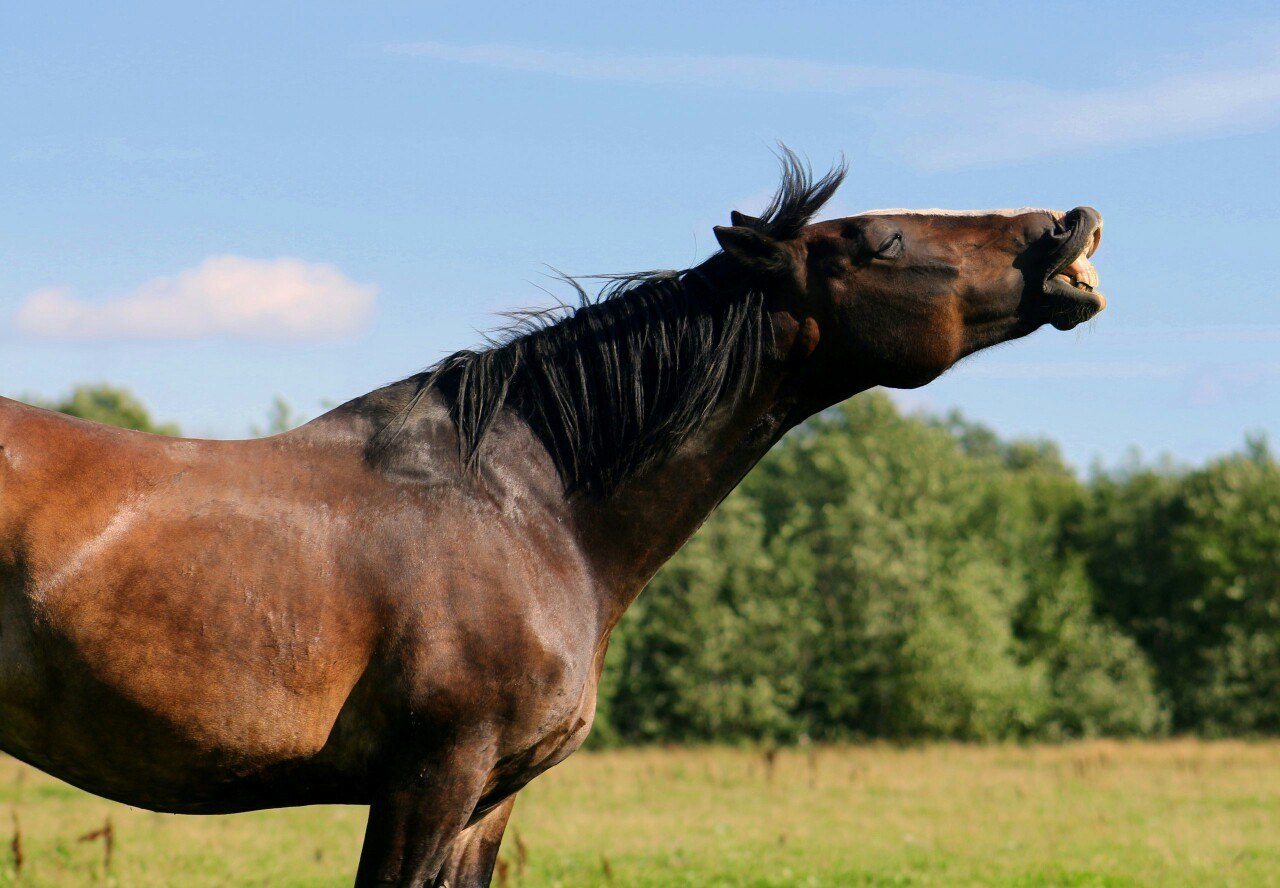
pixel 1179 813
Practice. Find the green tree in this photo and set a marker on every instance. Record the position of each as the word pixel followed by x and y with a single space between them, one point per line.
pixel 882 575
pixel 109 404
pixel 1189 561
pixel 711 650
pixel 281 417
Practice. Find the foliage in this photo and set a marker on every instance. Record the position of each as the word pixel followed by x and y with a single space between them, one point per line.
pixel 120 407
pixel 109 404
pixel 281 417
pixel 1190 562
pixel 882 576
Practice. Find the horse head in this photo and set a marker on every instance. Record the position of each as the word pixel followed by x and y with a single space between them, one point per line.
pixel 896 297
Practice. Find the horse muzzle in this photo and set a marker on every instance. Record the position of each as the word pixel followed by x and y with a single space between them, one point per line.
pixel 1071 281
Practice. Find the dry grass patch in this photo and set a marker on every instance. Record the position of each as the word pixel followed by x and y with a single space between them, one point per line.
pixel 1178 813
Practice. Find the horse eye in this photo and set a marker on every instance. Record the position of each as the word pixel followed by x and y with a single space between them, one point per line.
pixel 891 248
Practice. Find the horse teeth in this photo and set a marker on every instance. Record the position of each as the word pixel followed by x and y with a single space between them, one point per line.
pixel 1081 271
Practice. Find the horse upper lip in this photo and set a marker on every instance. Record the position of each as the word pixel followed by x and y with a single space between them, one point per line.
pixel 1079 239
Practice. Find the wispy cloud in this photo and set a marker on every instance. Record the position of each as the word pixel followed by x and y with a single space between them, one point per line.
pixel 1212 385
pixel 1230 334
pixel 939 119
pixel 114 148
pixel 1070 370
pixel 1196 385
pixel 719 71
pixel 223 296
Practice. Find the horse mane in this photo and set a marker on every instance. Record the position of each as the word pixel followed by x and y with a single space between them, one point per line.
pixel 613 384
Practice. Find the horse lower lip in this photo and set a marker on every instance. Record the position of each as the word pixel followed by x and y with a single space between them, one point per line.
pixel 1071 296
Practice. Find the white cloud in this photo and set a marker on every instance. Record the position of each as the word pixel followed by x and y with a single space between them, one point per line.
pixel 222 296
pixel 939 119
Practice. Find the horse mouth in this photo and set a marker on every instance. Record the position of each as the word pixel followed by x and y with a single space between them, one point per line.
pixel 1071 283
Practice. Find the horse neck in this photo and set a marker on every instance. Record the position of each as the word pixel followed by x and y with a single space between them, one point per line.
pixel 635 531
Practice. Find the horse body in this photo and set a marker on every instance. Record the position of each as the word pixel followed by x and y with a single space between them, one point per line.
pixel 205 626
pixel 406 602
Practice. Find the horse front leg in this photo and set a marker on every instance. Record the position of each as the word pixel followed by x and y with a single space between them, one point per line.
pixel 474 852
pixel 415 818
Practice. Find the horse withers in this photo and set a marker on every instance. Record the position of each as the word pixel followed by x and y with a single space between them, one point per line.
pixel 406 602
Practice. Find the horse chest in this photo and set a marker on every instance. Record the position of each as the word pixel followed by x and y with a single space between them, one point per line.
pixel 554 741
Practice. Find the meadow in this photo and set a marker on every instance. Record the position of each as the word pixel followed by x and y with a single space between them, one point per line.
pixel 1169 813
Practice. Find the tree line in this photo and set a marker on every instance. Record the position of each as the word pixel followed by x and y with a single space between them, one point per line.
pixel 881 575
pixel 889 576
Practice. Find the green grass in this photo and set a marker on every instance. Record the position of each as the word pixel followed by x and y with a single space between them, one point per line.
pixel 1178 813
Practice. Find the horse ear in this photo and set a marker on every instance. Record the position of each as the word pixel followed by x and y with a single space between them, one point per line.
pixel 754 251
pixel 742 220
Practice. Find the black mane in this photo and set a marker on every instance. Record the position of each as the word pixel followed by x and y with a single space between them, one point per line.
pixel 613 385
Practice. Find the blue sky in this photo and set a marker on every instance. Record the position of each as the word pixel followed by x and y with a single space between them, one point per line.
pixel 213 206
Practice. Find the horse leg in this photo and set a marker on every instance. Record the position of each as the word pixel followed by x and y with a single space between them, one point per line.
pixel 413 822
pixel 474 852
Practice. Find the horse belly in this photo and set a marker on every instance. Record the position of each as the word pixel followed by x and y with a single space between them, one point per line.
pixel 102 740
pixel 176 688
pixel 20 679
pixel 262 749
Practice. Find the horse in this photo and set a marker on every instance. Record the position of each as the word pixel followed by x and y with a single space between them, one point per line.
pixel 406 602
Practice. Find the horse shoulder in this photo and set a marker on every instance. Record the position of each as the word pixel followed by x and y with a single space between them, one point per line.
pixel 497 618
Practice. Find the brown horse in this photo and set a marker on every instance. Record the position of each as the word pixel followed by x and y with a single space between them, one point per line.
pixel 406 603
